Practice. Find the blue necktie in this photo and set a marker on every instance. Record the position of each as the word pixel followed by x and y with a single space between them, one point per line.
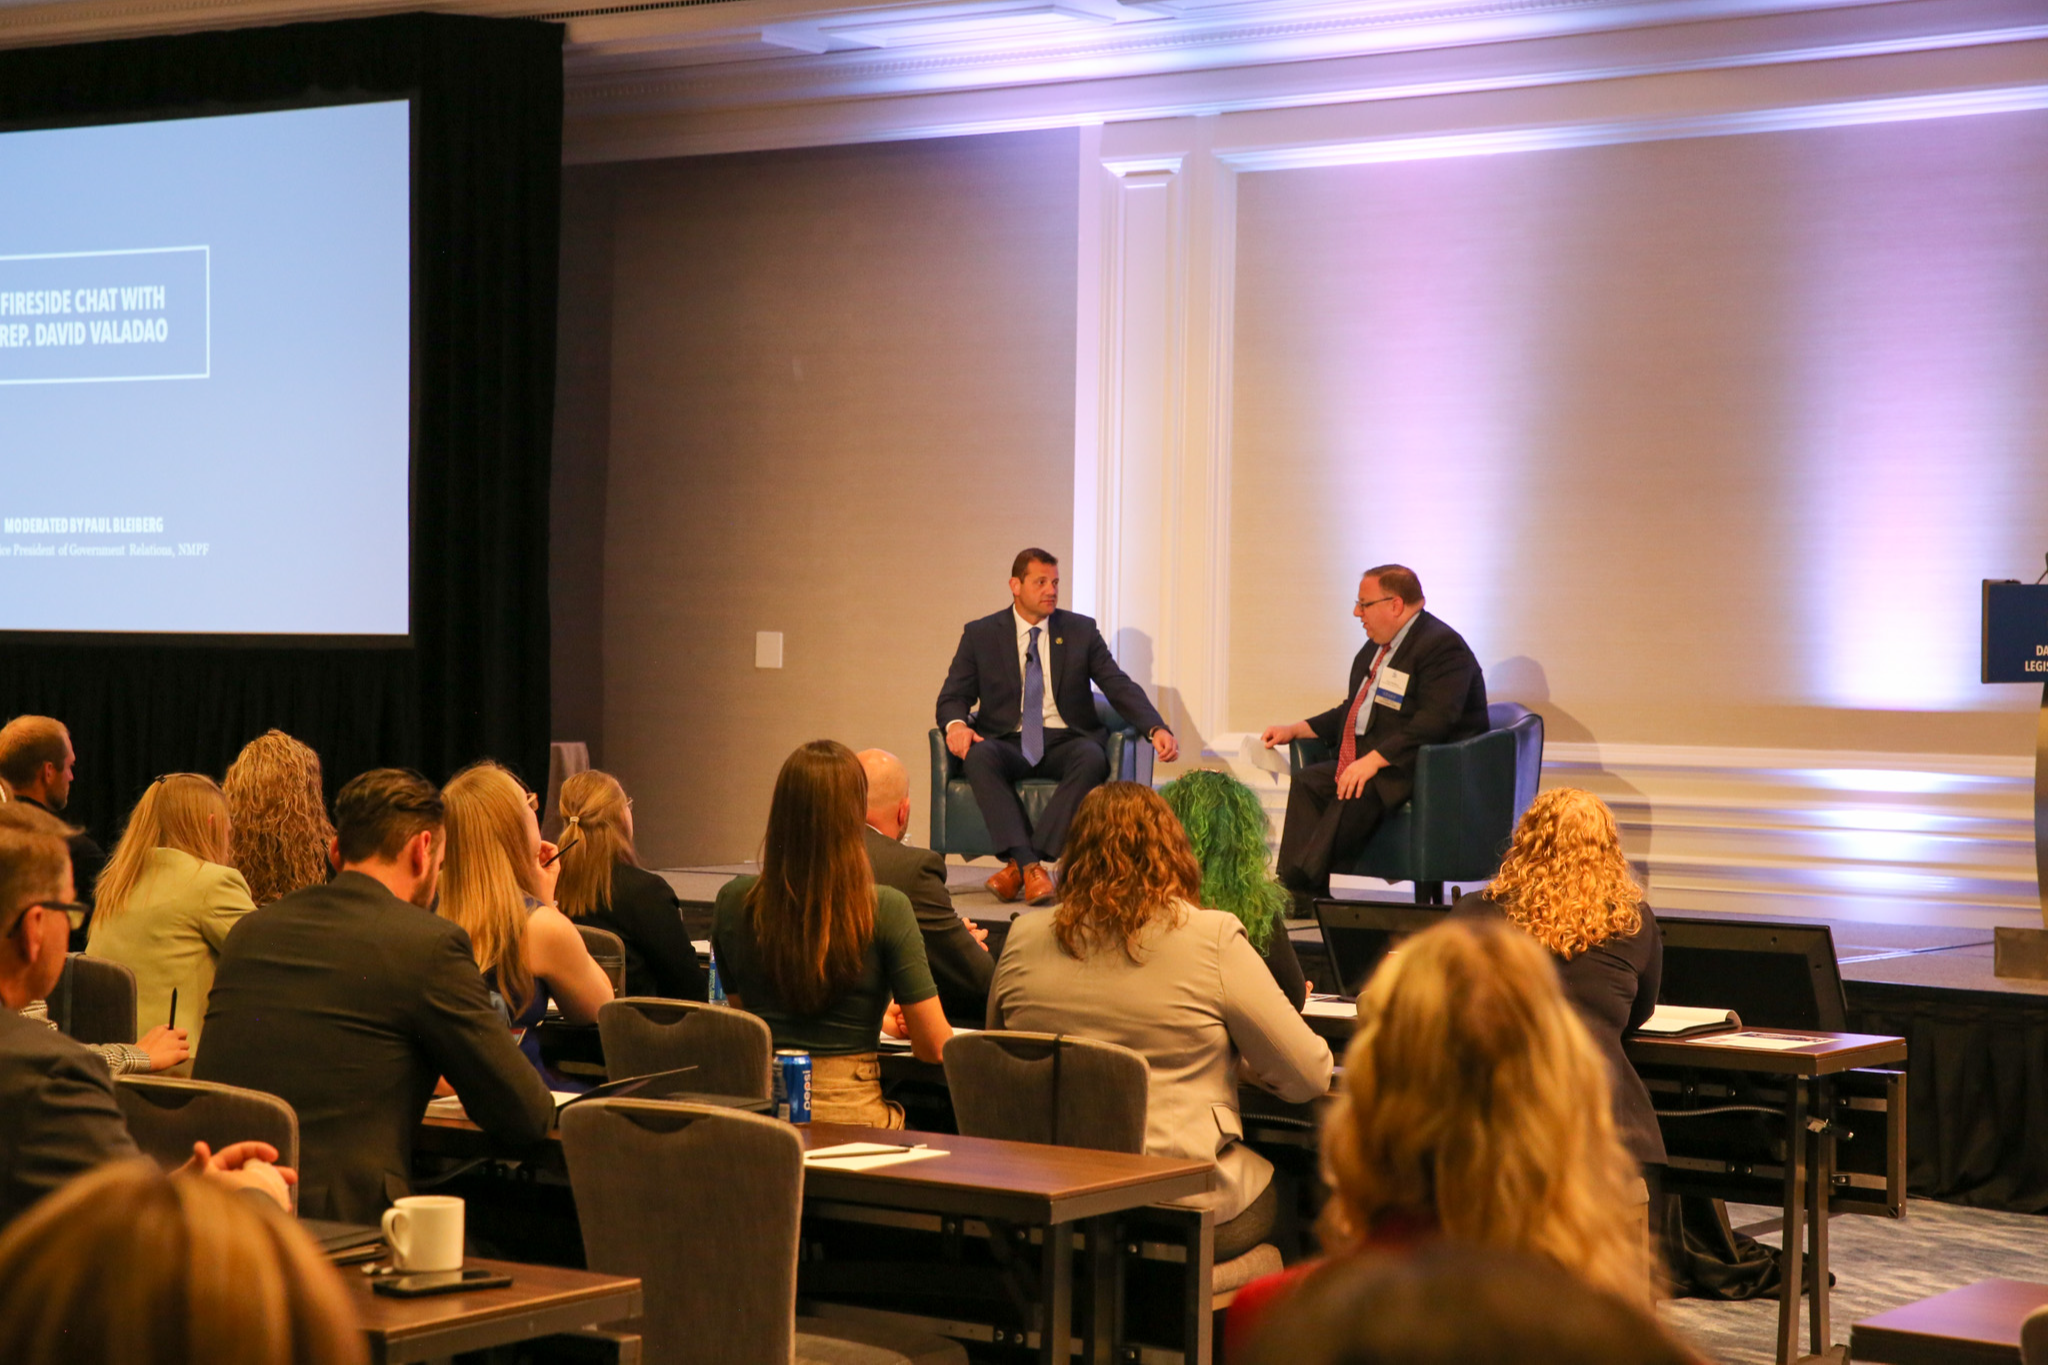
pixel 1034 702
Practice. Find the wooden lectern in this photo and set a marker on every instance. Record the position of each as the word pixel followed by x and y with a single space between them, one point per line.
pixel 2016 651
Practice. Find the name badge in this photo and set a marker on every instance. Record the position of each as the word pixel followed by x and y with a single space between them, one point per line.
pixel 1391 688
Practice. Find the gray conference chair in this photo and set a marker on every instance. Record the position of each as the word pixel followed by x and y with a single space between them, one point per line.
pixel 608 950
pixel 94 1001
pixel 166 1116
pixel 705 1205
pixel 1070 1092
pixel 1043 1087
pixel 730 1048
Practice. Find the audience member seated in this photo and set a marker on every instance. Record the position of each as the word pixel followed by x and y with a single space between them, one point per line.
pixel 500 886
pixel 1127 957
pixel 603 885
pixel 348 1000
pixel 1227 828
pixel 36 766
pixel 1474 1107
pixel 816 949
pixel 1567 885
pixel 1452 1304
pixel 956 951
pixel 127 1266
pixel 168 899
pixel 58 1115
pixel 278 808
pixel 160 1049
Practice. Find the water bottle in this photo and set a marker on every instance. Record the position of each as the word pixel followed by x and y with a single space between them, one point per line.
pixel 717 986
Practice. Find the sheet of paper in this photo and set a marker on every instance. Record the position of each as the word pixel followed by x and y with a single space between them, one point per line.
pixel 702 945
pixel 446 1105
pixel 1675 1018
pixel 869 1163
pixel 1763 1042
pixel 1330 1009
pixel 562 1097
pixel 1259 756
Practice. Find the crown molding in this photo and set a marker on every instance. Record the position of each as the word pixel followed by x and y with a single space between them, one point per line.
pixel 622 109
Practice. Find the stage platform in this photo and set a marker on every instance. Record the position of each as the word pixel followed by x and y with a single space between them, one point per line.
pixel 1977 1044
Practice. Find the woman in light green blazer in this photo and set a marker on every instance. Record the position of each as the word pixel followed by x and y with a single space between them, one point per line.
pixel 167 899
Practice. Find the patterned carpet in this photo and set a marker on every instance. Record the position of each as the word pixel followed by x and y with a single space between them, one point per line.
pixel 1879 1264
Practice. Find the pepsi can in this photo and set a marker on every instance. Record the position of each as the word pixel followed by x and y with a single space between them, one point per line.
pixel 792 1085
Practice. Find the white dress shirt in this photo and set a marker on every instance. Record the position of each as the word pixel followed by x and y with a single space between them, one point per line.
pixel 1052 710
pixel 1393 648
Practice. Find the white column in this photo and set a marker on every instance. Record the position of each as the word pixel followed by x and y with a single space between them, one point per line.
pixel 1152 452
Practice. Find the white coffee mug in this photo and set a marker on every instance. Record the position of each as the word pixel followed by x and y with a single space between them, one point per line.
pixel 425 1232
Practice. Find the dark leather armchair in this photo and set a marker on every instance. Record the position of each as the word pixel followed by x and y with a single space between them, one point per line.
pixel 1468 796
pixel 957 825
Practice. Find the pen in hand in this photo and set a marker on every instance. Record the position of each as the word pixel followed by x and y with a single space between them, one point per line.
pixel 550 860
pixel 174 1007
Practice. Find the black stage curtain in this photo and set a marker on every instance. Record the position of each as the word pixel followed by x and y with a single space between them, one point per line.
pixel 487 138
pixel 1976 1090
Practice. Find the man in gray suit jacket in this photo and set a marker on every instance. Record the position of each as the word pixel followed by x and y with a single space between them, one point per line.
pixel 349 1000
pixel 955 950
pixel 58 1117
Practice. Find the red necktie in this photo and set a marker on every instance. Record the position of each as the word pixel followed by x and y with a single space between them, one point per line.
pixel 1347 752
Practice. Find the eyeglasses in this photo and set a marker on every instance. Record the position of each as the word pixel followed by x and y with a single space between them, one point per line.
pixel 1361 606
pixel 533 802
pixel 71 911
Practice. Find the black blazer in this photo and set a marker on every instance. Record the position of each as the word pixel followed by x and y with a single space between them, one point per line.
pixel 58 1118
pixel 985 670
pixel 1445 701
pixel 349 1003
pixel 644 913
pixel 1614 987
pixel 960 967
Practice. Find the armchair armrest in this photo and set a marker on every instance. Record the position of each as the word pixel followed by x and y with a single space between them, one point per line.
pixel 1306 753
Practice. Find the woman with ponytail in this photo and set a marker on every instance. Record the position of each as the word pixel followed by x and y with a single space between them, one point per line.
pixel 604 886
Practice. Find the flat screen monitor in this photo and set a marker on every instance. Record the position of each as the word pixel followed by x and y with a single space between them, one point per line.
pixel 1774 974
pixel 206 376
pixel 1357 934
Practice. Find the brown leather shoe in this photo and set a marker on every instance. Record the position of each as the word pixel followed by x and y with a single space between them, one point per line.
pixel 1038 885
pixel 1008 881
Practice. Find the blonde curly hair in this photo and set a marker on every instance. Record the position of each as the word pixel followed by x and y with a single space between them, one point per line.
pixel 1565 880
pixel 281 829
pixel 1475 1102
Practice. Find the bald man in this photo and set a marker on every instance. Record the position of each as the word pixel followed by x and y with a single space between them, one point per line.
pixel 960 964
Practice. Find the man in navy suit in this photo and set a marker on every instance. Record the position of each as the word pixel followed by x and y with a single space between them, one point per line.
pixel 1414 682
pixel 1029 668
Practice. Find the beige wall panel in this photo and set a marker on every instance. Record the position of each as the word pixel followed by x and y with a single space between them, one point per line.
pixel 842 398
pixel 1699 442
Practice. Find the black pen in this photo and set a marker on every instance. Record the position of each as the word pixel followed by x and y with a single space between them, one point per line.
pixel 550 860
pixel 174 1007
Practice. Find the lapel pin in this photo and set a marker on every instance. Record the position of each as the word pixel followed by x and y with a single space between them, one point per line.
pixel 1057 640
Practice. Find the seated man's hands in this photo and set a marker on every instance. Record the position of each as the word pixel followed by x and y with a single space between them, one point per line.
pixel 977 933
pixel 166 1047
pixel 1352 780
pixel 247 1166
pixel 1276 735
pixel 1164 745
pixel 961 737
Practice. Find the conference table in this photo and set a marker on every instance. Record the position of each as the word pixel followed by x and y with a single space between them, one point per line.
pixel 1978 1324
pixel 1035 1199
pixel 541 1301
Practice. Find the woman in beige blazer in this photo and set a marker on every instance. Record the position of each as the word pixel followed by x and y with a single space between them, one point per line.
pixel 1128 957
pixel 167 899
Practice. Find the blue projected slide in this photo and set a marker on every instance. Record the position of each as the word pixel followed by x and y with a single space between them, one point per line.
pixel 205 375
